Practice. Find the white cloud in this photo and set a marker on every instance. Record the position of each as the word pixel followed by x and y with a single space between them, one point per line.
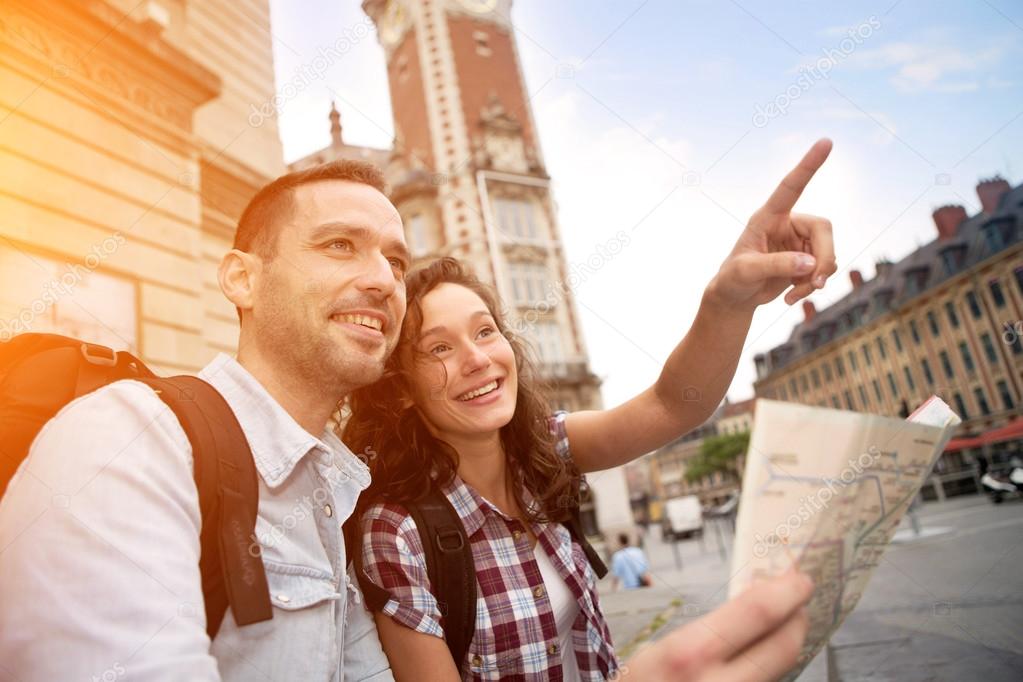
pixel 928 66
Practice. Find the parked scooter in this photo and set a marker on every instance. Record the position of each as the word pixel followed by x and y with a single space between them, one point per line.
pixel 1001 485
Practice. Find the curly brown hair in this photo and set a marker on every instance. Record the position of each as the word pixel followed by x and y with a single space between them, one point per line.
pixel 406 459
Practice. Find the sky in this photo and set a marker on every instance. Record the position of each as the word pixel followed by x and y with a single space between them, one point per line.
pixel 673 120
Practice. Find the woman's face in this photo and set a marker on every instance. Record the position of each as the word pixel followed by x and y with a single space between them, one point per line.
pixel 463 377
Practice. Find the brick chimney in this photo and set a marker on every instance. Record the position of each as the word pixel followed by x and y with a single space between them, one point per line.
pixel 808 310
pixel 947 220
pixel 990 191
pixel 882 268
pixel 856 278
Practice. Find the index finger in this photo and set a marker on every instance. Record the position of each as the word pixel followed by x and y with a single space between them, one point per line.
pixel 792 186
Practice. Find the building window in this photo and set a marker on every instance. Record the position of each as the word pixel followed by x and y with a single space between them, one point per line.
pixel 482 40
pixel 839 367
pixel 909 379
pixel 1009 332
pixel 914 332
pixel 852 361
pixel 547 340
pixel 827 371
pixel 816 378
pixel 989 348
pixel 932 322
pixel 792 387
pixel 803 383
pixel 1018 272
pixel 882 348
pixel 1003 392
pixel 964 351
pixel 892 385
pixel 950 312
pixel 782 394
pixel 419 241
pixel 877 390
pixel 974 306
pixel 928 377
pixel 848 400
pixel 985 409
pixel 516 219
pixel 995 287
pixel 961 407
pixel 897 339
pixel 92 305
pixel 835 403
pixel 530 283
pixel 946 364
pixel 866 355
pixel 863 395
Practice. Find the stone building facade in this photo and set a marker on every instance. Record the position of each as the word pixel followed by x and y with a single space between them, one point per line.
pixel 944 320
pixel 126 157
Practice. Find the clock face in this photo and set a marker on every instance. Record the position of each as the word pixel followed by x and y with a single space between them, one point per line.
pixel 479 6
pixel 392 24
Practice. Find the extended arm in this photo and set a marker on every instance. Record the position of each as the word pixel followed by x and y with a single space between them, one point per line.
pixel 777 249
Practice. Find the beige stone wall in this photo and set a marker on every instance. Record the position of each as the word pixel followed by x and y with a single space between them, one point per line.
pixel 110 128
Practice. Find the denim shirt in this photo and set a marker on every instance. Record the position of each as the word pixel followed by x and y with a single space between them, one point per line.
pixel 99 548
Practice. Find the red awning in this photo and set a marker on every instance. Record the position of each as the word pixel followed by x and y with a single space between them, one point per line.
pixel 1011 431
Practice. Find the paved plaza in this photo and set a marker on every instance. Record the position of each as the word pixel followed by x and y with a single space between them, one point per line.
pixel 946 604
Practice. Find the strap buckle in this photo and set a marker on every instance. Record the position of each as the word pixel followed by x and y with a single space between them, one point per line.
pixel 99 355
pixel 442 538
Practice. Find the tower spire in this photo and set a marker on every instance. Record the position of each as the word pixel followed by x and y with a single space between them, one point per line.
pixel 335 126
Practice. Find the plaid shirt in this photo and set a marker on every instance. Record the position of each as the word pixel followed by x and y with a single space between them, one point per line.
pixel 516 636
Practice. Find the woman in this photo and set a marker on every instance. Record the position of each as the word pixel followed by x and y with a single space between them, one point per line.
pixel 459 410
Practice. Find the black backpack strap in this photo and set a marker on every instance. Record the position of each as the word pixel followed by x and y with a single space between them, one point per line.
pixel 226 478
pixel 575 527
pixel 451 569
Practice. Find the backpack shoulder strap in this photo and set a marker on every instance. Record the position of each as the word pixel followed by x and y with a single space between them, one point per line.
pixel 575 527
pixel 451 569
pixel 226 478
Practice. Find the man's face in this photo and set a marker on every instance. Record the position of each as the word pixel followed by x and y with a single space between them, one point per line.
pixel 330 302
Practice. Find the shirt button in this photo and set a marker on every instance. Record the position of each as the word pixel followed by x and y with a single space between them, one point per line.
pixel 328 511
pixel 477 661
pixel 517 535
pixel 552 649
pixel 283 598
pixel 539 591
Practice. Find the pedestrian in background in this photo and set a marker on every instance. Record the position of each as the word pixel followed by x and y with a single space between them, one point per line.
pixel 630 566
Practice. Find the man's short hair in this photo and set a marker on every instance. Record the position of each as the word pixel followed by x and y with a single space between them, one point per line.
pixel 258 228
pixel 623 539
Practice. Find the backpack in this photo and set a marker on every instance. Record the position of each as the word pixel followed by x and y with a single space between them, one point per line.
pixel 41 373
pixel 449 565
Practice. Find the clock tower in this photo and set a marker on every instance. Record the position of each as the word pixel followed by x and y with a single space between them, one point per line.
pixel 467 173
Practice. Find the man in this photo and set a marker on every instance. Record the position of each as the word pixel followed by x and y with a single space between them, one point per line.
pixel 99 530
pixel 629 565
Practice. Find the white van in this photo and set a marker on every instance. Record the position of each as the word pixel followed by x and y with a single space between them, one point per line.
pixel 683 518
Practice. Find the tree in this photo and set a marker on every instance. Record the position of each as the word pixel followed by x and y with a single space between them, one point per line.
pixel 719 453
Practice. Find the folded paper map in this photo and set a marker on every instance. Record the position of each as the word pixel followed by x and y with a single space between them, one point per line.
pixel 825 489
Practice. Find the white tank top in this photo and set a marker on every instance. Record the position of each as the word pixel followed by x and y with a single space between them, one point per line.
pixel 565 608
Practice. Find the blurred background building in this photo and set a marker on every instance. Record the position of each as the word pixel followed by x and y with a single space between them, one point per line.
pixel 944 320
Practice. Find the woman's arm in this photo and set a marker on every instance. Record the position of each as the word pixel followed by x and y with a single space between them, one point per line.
pixel 415 656
pixel 778 248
